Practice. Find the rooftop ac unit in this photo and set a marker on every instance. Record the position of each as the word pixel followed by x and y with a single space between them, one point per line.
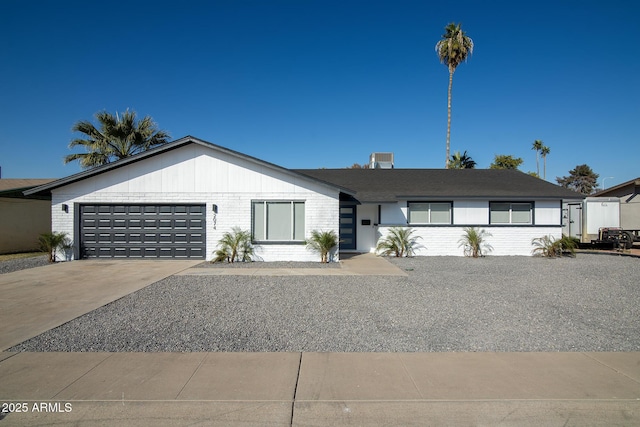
pixel 381 161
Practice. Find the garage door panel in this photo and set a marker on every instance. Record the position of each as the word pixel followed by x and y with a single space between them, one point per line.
pixel 141 231
pixel 150 223
pixel 196 238
pixel 196 224
pixel 150 238
pixel 135 252
pixel 89 223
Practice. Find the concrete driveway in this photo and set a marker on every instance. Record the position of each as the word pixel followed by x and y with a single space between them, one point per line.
pixel 38 299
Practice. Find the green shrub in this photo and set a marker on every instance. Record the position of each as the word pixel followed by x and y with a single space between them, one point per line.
pixel 474 242
pixel 234 246
pixel 569 244
pixel 398 242
pixel 322 242
pixel 545 246
pixel 550 247
pixel 52 242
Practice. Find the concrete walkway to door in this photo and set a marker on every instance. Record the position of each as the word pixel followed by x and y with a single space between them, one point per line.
pixel 350 265
pixel 35 300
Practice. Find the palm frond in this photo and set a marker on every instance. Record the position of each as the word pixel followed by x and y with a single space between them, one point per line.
pixel 322 242
pixel 116 137
pixel 234 246
pixel 398 242
pixel 474 242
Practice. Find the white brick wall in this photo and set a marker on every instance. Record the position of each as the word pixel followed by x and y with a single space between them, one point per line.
pixel 444 241
pixel 505 240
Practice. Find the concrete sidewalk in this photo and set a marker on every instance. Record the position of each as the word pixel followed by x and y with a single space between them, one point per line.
pixel 38 299
pixel 321 389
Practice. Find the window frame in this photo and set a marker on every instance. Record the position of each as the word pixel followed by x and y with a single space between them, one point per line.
pixel 293 238
pixel 426 202
pixel 511 210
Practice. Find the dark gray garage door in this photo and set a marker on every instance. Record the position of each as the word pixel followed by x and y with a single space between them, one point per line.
pixel 142 231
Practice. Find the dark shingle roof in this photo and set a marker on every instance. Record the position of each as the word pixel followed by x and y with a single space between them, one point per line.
pixel 623 189
pixel 389 185
pixel 14 187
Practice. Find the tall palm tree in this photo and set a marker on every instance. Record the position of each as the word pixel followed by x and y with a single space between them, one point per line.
pixel 537 146
pixel 116 137
pixel 543 153
pixel 461 161
pixel 453 49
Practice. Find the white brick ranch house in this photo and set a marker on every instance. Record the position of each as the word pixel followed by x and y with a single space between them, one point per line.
pixel 177 200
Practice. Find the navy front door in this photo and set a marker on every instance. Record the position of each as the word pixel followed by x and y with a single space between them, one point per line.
pixel 347 227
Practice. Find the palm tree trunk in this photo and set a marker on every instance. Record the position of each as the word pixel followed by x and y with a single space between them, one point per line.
pixel 544 158
pixel 446 164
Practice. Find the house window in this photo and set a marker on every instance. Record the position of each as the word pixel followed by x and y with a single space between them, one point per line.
pixel 430 213
pixel 278 221
pixel 510 213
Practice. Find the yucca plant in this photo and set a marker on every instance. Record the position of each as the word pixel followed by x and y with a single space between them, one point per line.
pixel 322 242
pixel 474 242
pixel 234 246
pixel 51 242
pixel 398 242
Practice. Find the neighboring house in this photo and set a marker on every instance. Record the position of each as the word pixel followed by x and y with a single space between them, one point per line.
pixel 177 201
pixel 22 219
pixel 629 195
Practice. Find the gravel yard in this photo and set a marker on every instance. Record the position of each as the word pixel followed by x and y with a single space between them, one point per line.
pixel 590 303
pixel 23 263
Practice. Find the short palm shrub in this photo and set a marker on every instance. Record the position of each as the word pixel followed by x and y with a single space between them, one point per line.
pixel 322 242
pixel 234 246
pixel 546 246
pixel 550 247
pixel 399 242
pixel 569 245
pixel 474 241
pixel 52 242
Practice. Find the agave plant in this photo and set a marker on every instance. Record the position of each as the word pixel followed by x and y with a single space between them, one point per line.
pixel 51 242
pixel 322 242
pixel 398 242
pixel 234 246
pixel 474 242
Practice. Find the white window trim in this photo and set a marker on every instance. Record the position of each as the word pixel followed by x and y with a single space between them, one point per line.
pixel 429 222
pixel 265 220
pixel 531 208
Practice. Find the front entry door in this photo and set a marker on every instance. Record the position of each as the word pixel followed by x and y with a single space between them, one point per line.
pixel 347 227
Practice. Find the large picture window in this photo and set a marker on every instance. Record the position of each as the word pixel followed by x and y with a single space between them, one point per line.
pixel 510 213
pixel 278 221
pixel 429 213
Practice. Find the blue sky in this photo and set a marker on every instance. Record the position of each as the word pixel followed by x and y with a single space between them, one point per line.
pixel 308 84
